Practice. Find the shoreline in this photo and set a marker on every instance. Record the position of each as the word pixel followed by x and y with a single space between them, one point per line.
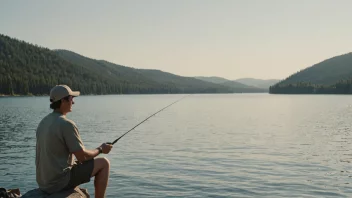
pixel 16 95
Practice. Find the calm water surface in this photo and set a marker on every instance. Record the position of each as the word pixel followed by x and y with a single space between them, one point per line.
pixel 236 145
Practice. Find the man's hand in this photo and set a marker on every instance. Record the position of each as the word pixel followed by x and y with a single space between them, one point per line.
pixel 106 148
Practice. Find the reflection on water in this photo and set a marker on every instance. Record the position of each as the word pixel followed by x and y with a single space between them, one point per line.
pixel 240 145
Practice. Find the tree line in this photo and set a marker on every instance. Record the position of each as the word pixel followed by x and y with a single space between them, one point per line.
pixel 27 69
pixel 341 87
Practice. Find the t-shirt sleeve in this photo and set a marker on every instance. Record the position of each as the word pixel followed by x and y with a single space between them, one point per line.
pixel 72 138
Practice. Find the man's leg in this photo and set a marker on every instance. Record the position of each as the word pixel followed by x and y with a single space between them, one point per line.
pixel 101 173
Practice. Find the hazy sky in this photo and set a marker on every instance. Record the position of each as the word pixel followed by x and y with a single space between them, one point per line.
pixel 227 38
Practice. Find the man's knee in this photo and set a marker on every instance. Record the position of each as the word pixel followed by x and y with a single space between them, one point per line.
pixel 105 162
pixel 100 164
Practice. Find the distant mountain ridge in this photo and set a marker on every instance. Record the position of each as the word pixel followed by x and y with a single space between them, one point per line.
pixel 28 69
pixel 260 83
pixel 212 79
pixel 331 76
pixel 156 76
pixel 231 83
pixel 326 72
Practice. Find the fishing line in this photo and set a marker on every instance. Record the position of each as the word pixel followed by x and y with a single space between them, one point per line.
pixel 146 120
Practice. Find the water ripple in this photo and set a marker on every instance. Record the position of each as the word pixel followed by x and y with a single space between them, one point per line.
pixel 206 146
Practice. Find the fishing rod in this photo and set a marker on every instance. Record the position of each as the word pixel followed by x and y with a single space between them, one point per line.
pixel 146 120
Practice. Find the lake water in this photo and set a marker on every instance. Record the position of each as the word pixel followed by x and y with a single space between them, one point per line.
pixel 231 145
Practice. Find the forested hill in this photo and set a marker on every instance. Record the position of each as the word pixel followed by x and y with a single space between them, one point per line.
pixel 260 83
pixel 172 82
pixel 239 87
pixel 30 69
pixel 331 76
pixel 213 79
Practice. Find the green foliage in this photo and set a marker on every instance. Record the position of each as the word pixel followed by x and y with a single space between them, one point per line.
pixel 327 72
pixel 341 87
pixel 332 76
pixel 27 69
pixel 163 82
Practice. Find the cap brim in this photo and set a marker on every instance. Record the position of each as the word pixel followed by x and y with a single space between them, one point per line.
pixel 75 93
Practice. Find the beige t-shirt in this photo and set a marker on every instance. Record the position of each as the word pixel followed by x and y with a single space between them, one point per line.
pixel 57 139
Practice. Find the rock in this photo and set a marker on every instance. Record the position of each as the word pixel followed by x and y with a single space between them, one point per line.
pixel 72 193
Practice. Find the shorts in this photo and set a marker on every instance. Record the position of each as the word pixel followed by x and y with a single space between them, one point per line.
pixel 80 173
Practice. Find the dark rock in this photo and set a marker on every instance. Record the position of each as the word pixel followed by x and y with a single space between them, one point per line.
pixel 72 193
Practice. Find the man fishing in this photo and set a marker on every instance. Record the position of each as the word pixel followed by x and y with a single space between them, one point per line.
pixel 58 140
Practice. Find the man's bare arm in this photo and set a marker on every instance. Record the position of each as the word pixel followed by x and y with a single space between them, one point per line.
pixel 85 154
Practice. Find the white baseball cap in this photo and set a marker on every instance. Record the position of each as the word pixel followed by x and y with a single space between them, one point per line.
pixel 60 91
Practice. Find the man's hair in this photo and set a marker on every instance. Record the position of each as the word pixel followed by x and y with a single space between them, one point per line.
pixel 57 104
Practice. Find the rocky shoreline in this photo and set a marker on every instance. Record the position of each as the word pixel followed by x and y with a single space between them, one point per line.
pixel 72 193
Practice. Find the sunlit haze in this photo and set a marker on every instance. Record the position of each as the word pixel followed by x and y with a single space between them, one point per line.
pixel 226 38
